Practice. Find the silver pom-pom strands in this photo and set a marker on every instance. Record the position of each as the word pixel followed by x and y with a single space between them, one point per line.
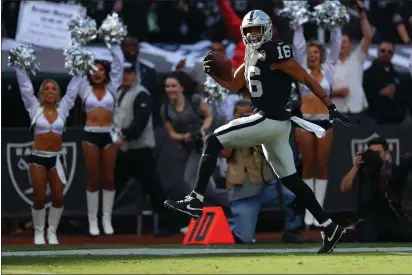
pixel 23 57
pixel 83 30
pixel 78 61
pixel 112 31
pixel 213 91
pixel 296 11
pixel 330 14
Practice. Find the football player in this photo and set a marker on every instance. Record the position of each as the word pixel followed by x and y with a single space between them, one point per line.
pixel 268 71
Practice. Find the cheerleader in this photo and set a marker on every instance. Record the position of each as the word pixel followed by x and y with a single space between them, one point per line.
pixel 97 92
pixel 320 64
pixel 48 115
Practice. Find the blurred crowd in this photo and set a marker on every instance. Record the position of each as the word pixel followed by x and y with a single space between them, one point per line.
pixel 184 21
pixel 380 95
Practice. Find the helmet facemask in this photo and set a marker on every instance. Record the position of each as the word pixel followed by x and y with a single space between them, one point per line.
pixel 255 41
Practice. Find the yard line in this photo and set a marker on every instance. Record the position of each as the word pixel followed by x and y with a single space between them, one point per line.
pixel 194 251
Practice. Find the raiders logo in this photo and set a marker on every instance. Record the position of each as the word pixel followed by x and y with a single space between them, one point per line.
pixel 18 167
pixel 361 145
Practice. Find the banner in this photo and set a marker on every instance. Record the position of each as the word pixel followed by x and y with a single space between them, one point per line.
pixel 346 142
pixel 165 56
pixel 17 192
pixel 46 23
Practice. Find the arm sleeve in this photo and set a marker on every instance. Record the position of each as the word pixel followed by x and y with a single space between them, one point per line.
pixel 67 102
pixel 116 69
pixel 299 45
pixel 232 20
pixel 142 111
pixel 27 92
pixel 333 55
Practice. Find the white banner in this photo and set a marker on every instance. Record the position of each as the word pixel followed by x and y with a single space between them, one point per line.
pixel 46 24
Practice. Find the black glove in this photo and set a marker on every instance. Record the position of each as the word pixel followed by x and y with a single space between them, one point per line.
pixel 208 63
pixel 336 115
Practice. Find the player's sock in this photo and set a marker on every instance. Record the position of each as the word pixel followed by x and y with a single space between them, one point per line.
pixel 303 192
pixel 207 164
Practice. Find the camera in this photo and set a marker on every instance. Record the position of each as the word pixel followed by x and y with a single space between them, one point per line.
pixel 372 161
pixel 197 138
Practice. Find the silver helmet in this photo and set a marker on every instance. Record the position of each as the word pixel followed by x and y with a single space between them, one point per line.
pixel 256 18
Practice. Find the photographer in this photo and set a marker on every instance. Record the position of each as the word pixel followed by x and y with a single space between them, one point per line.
pixel 186 119
pixel 380 182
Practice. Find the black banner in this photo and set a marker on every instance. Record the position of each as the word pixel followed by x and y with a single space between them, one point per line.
pixel 348 141
pixel 17 192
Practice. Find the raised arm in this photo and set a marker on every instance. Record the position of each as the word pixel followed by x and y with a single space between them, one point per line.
pixel 116 69
pixel 299 45
pixel 333 55
pixel 31 103
pixel 76 85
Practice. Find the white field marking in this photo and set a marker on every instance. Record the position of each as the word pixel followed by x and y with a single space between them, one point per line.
pixel 402 253
pixel 15 271
pixel 194 251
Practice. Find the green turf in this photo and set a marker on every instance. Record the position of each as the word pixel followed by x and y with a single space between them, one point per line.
pixel 360 263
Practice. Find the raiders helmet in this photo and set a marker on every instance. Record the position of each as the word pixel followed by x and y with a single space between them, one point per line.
pixel 256 18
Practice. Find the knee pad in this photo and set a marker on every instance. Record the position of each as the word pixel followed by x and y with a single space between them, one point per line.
pixel 212 144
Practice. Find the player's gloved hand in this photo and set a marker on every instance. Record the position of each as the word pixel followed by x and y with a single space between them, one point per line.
pixel 208 63
pixel 334 114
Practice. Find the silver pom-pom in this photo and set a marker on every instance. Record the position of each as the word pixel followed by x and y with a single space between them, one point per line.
pixel 23 57
pixel 79 61
pixel 296 11
pixel 82 30
pixel 112 30
pixel 331 14
pixel 213 91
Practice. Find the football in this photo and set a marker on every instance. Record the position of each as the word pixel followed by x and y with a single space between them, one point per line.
pixel 222 66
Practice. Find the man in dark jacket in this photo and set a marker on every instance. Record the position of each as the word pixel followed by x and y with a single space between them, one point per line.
pixel 146 75
pixel 385 88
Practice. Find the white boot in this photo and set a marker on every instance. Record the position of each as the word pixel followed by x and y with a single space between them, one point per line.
pixel 39 219
pixel 320 191
pixel 108 199
pixel 309 219
pixel 92 209
pixel 53 221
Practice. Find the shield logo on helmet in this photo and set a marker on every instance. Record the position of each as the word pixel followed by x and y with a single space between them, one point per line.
pixel 18 166
pixel 361 145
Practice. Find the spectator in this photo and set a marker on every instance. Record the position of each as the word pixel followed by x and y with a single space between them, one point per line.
pixel 347 93
pixel 180 21
pixel 187 119
pixel 251 185
pixel 380 182
pixel 321 65
pixel 136 17
pixel 391 18
pixel 133 117
pixel 146 75
pixel 233 23
pixel 384 88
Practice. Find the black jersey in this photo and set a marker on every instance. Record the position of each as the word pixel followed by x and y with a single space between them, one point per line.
pixel 269 89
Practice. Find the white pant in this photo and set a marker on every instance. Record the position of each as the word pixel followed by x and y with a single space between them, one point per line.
pixel 255 130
